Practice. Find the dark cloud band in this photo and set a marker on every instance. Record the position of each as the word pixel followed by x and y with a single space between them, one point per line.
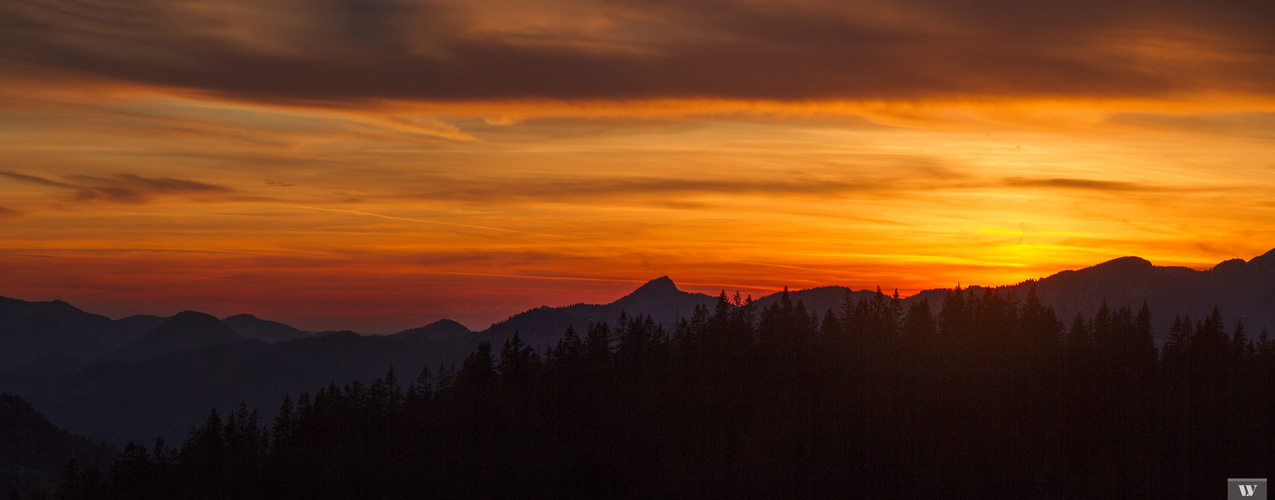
pixel 121 188
pixel 352 50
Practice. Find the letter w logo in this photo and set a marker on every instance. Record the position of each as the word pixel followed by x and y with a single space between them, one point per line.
pixel 1248 489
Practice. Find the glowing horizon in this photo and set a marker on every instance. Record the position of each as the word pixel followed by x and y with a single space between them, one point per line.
pixel 380 164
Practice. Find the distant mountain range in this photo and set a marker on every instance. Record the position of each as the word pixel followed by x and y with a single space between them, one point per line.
pixel 543 326
pixel 143 376
pixel 1242 291
pixel 57 337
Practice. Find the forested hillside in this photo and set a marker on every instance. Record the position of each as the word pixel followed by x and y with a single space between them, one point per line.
pixel 34 451
pixel 992 397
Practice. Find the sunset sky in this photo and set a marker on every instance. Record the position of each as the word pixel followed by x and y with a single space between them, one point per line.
pixel 377 165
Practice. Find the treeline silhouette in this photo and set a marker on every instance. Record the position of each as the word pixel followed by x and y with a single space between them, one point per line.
pixel 992 397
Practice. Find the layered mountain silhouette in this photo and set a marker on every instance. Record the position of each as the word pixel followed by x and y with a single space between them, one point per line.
pixel 442 329
pixel 185 330
pixel 252 327
pixel 143 376
pixel 163 396
pixel 57 338
pixel 29 330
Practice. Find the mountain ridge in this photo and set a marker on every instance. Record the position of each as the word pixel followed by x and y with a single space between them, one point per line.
pixel 541 327
pixel 252 327
pixel 1242 290
pixel 160 391
pixel 185 330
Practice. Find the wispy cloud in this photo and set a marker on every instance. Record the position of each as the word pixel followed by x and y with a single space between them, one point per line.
pixel 9 213
pixel 1085 184
pixel 567 190
pixel 409 219
pixel 1100 185
pixel 121 188
pixel 1251 125
pixel 685 192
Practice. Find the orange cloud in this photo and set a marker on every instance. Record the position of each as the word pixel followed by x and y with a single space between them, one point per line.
pixel 384 163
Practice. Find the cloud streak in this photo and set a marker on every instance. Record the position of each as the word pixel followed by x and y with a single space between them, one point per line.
pixel 567 190
pixel 1080 184
pixel 356 50
pixel 684 193
pixel 122 188
pixel 410 219
pixel 668 192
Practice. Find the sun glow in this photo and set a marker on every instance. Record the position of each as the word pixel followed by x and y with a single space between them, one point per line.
pixel 479 162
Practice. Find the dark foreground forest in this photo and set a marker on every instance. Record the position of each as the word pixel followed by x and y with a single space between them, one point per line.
pixel 993 397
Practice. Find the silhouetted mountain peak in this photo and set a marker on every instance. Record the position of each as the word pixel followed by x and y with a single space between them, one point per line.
pixel 541 327
pixel 186 316
pixel 660 283
pixel 446 322
pixel 658 287
pixel 194 324
pixel 1125 264
pixel 438 330
pixel 185 330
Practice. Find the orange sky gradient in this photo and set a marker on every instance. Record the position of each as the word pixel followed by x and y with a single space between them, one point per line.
pixel 377 165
